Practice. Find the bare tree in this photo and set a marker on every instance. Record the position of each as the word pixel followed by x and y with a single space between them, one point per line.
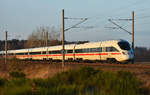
pixel 43 36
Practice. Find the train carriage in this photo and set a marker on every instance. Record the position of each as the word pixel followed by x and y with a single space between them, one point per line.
pixel 69 52
pixel 112 51
pixel 20 54
pixel 87 51
pixel 37 53
pixel 54 52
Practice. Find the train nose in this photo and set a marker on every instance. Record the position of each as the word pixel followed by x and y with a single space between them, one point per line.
pixel 128 55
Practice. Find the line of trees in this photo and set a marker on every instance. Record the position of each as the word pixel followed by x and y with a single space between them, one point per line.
pixel 40 37
pixel 13 44
pixel 43 36
pixel 142 54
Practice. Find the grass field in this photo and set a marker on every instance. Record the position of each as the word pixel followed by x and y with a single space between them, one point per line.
pixel 40 76
pixel 85 81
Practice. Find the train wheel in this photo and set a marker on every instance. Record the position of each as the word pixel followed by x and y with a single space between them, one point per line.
pixel 79 60
pixel 70 59
pixel 50 60
pixel 111 60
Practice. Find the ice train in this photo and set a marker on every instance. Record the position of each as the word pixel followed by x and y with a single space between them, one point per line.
pixel 112 51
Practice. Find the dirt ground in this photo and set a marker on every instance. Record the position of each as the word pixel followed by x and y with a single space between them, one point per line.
pixel 45 70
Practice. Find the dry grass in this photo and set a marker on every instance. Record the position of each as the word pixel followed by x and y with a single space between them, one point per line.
pixel 45 70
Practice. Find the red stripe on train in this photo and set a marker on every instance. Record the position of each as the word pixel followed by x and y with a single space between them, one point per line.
pixel 88 54
pixel 115 53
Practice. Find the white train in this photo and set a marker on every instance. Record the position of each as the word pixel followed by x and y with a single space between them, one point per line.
pixel 112 51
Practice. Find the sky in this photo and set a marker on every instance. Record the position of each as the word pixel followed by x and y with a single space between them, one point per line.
pixel 21 17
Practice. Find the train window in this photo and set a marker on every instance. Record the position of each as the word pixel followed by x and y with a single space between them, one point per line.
pixel 59 52
pixel 55 52
pixel 111 49
pixel 69 51
pixel 78 51
pixel 44 52
pixel 26 53
pixel 95 49
pixel 107 49
pixel 92 49
pixel 124 45
pixel 86 50
pixel 50 52
pixel 34 53
pixel 19 53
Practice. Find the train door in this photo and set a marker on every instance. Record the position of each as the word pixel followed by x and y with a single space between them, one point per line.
pixel 104 54
pixel 47 54
pixel 29 55
pixel 108 50
pixel 74 57
pixel 100 51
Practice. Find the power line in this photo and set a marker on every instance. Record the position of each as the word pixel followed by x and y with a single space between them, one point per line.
pixel 75 18
pixel 122 19
pixel 74 26
pixel 120 9
pixel 119 26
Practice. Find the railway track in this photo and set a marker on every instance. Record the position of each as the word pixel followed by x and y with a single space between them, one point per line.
pixel 139 65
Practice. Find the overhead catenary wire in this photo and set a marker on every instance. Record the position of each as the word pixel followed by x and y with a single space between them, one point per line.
pixel 122 8
pixel 74 26
pixel 139 2
pixel 119 26
pixel 102 20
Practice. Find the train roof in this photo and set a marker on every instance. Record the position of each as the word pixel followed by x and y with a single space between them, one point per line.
pixel 99 44
pixel 37 49
pixel 18 51
pixel 69 46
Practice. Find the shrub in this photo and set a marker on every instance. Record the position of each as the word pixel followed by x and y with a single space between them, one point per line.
pixel 15 89
pixel 89 81
pixel 86 81
pixel 3 82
